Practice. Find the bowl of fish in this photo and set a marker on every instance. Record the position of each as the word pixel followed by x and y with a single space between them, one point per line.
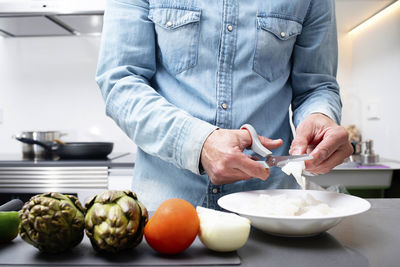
pixel 294 213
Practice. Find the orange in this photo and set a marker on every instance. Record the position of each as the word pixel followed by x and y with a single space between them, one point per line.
pixel 173 226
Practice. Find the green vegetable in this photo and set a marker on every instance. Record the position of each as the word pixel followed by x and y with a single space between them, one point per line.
pixel 115 220
pixel 52 222
pixel 9 223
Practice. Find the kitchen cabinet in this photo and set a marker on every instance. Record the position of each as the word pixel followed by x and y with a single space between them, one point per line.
pixel 24 182
pixel 360 180
pixel 22 179
pixel 121 172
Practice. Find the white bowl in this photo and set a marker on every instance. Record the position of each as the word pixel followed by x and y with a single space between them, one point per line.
pixel 294 226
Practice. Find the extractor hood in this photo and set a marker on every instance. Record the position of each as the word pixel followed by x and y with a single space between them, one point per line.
pixel 26 18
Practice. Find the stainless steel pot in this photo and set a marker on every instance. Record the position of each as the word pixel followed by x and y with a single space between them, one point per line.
pixel 38 152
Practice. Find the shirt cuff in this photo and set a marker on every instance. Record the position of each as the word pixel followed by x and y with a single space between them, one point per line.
pixel 327 109
pixel 194 134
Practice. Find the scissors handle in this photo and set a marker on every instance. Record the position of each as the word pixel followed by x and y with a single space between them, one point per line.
pixel 256 145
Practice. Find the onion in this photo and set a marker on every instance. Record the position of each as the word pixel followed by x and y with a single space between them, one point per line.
pixel 296 169
pixel 222 231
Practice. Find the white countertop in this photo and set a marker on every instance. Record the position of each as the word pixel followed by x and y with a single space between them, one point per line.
pixel 355 176
pixel 384 164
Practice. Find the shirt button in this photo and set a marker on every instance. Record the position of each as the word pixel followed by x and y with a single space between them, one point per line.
pixel 230 28
pixel 224 106
pixel 215 190
pixel 169 23
pixel 283 34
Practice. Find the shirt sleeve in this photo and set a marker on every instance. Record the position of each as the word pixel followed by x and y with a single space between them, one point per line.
pixel 126 65
pixel 315 89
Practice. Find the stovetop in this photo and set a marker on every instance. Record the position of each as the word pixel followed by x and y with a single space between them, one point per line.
pixel 113 160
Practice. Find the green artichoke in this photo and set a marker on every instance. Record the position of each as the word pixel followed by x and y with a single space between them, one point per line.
pixel 115 220
pixel 52 222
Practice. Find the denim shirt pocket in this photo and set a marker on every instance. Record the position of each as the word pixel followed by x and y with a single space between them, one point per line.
pixel 178 31
pixel 274 45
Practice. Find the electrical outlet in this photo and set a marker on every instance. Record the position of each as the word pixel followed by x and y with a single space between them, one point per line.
pixel 373 111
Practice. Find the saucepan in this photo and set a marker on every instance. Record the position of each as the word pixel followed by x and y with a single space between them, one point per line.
pixel 30 151
pixel 73 150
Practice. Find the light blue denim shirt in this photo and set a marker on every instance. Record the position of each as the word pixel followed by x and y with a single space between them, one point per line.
pixel 172 71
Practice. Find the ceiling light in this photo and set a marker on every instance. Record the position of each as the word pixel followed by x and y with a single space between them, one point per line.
pixel 371 20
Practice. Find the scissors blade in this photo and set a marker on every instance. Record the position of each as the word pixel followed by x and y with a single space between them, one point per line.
pixel 281 161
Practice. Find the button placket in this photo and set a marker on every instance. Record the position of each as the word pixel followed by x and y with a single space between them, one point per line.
pixel 226 57
pixel 213 196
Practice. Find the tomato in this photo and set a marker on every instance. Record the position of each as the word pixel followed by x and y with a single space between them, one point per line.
pixel 173 227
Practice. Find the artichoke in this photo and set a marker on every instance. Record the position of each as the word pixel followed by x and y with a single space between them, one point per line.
pixel 52 222
pixel 115 220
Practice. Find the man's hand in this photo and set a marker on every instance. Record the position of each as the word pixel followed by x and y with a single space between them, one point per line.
pixel 223 159
pixel 323 139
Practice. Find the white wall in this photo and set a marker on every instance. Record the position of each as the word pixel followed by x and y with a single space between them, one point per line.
pixel 371 93
pixel 351 107
pixel 48 84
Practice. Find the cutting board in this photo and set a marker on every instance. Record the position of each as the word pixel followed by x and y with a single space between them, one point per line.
pixel 18 252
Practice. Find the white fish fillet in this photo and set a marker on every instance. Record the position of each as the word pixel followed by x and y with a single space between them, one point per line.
pixel 296 169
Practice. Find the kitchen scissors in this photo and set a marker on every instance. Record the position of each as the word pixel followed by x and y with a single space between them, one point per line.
pixel 270 160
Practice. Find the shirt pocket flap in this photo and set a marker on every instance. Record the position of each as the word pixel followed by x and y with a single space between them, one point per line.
pixel 172 18
pixel 281 28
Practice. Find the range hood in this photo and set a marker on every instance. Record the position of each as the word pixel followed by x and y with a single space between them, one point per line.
pixel 26 18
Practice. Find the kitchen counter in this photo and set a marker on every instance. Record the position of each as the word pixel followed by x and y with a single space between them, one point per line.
pixel 369 239
pixel 353 176
pixel 113 160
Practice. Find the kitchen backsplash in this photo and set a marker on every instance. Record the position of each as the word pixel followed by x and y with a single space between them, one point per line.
pixel 48 84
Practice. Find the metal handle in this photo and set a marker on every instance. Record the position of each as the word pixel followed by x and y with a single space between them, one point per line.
pixel 33 142
pixel 256 145
pixel 12 205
